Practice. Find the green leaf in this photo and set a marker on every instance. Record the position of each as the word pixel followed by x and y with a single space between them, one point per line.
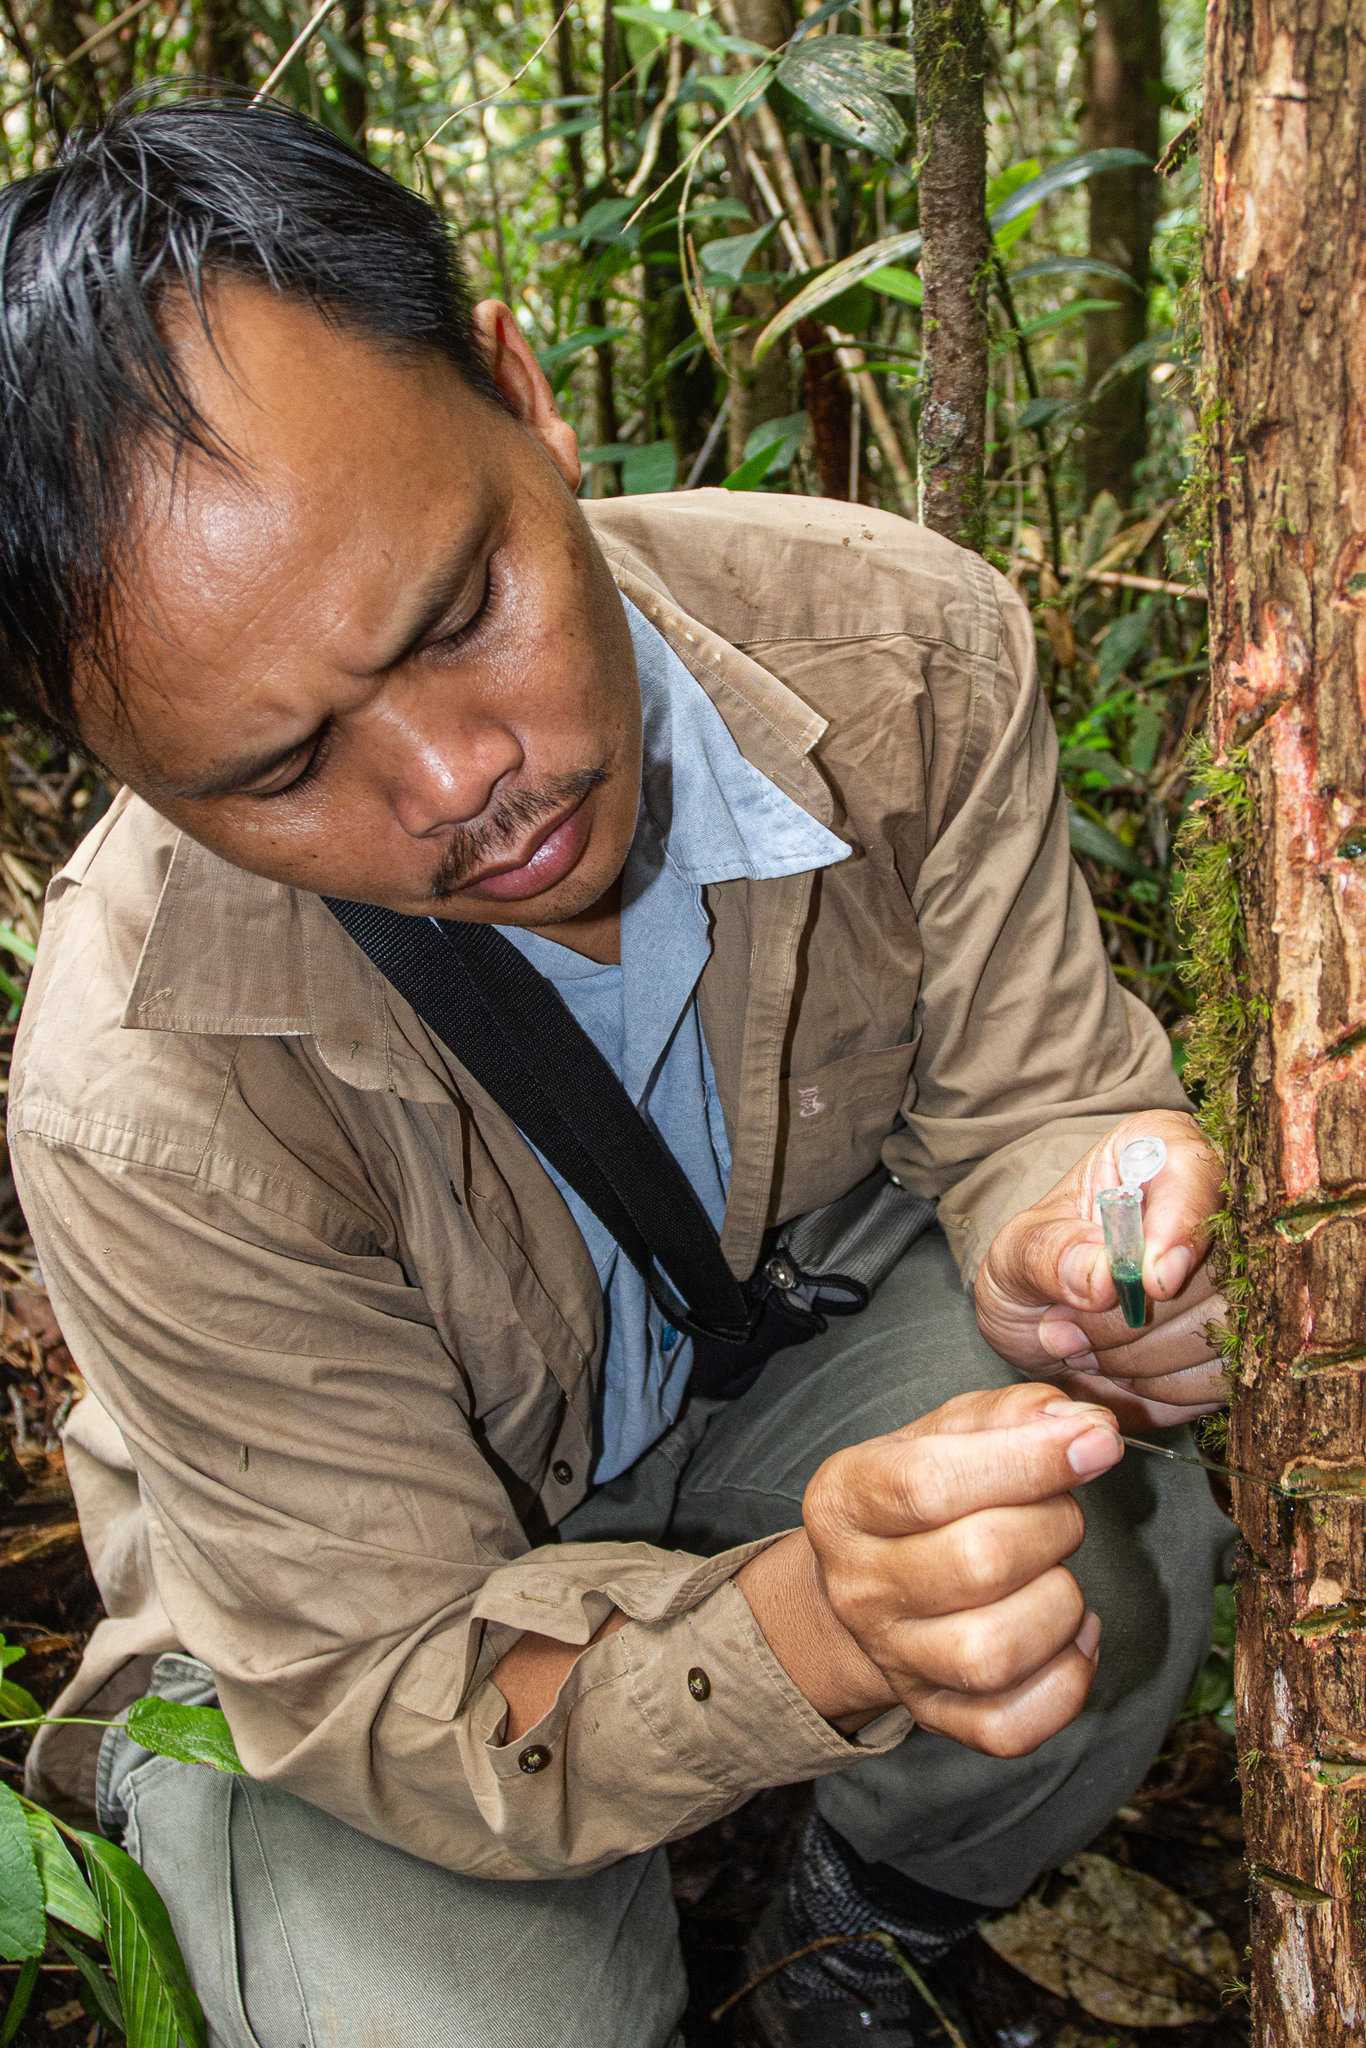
pixel 897 283
pixel 66 1894
pixel 1049 323
pixel 103 1996
pixel 12 942
pixel 1123 641
pixel 154 1986
pixel 827 284
pixel 844 81
pixel 1087 837
pixel 192 1735
pixel 23 1922
pixel 561 352
pixel 1060 266
pixel 1005 183
pixel 1040 412
pixel 16 1704
pixel 652 468
pixel 19 1998
pixel 696 29
pixel 1149 726
pixel 1074 170
pixel 784 436
pixel 752 470
pixel 10 1653
pixel 730 257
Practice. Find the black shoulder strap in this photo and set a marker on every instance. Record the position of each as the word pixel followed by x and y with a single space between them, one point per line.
pixel 506 1024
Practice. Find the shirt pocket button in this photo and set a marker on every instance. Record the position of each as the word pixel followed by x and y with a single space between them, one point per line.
pixel 533 1759
pixel 699 1685
pixel 561 1473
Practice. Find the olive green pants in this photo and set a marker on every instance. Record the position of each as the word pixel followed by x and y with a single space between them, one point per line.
pixel 301 1933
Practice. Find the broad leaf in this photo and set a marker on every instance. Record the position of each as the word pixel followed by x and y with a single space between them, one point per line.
pixel 1124 640
pixel 560 353
pixel 1041 411
pixel 652 468
pixel 1049 323
pixel 827 284
pixel 844 81
pixel 1086 836
pixel 784 437
pixel 1006 183
pixel 730 257
pixel 23 1923
pixel 1059 266
pixel 696 29
pixel 1074 170
pixel 16 1704
pixel 10 1653
pixel 158 1999
pixel 752 470
pixel 192 1735
pixel 897 283
pixel 66 1894
pixel 103 1995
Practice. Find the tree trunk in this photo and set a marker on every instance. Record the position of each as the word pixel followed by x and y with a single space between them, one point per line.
pixel 602 482
pixel 220 44
pixel 949 40
pixel 351 88
pixel 1284 159
pixel 830 410
pixel 1123 63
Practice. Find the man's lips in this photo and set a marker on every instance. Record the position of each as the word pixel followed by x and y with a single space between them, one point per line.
pixel 554 850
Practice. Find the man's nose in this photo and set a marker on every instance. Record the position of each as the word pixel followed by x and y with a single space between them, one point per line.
pixel 440 773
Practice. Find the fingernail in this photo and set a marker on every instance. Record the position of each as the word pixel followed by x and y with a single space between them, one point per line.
pixel 1077 1268
pixel 1095 1452
pixel 1069 1409
pixel 1172 1270
pixel 1087 1638
pixel 1062 1340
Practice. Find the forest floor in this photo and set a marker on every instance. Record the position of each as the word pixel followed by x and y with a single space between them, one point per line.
pixel 1182 1828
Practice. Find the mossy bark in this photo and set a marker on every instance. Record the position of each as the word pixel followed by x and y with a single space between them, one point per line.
pixel 949 39
pixel 1283 152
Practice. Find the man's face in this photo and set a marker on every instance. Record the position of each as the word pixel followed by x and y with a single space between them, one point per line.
pixel 376 653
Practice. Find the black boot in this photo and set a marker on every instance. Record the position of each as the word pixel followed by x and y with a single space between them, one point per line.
pixel 853 1991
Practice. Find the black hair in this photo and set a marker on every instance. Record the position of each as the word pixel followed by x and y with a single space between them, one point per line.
pixel 152 203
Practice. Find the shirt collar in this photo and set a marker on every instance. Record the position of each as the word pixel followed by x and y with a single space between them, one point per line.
pixel 718 818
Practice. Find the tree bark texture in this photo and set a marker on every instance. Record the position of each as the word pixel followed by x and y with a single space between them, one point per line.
pixel 830 409
pixel 352 96
pixel 1283 153
pixel 220 45
pixel 949 41
pixel 1123 63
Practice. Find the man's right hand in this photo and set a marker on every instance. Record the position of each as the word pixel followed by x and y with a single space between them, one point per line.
pixel 931 1573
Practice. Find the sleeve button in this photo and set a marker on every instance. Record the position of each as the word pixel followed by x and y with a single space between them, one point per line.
pixel 699 1685
pixel 561 1472
pixel 533 1759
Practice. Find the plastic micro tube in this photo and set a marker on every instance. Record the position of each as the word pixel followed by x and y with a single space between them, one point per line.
pixel 1121 1218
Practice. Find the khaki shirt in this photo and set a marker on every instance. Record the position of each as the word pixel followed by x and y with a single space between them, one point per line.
pixel 341 1332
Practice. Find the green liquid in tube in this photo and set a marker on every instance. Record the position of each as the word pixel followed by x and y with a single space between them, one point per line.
pixel 1128 1280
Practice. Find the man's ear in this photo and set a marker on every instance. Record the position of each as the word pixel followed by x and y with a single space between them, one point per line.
pixel 523 384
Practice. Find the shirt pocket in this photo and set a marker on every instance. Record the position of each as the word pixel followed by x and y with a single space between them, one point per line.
pixel 836 1121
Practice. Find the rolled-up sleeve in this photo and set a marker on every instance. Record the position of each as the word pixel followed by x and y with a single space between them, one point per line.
pixel 1030 1050
pixel 328 1536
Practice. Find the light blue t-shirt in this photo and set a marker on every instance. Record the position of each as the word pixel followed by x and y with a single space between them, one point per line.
pixel 706 815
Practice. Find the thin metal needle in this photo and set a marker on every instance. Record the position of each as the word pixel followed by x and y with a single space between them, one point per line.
pixel 1138 1443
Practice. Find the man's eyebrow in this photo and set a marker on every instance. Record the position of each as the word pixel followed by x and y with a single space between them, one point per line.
pixel 431 602
pixel 238 774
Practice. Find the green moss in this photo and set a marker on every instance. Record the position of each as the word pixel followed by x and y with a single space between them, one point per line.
pixel 1223 1031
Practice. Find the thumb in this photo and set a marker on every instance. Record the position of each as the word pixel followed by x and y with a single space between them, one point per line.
pixel 1036 1261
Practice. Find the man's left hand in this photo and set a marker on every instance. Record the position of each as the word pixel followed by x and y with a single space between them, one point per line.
pixel 1047 1304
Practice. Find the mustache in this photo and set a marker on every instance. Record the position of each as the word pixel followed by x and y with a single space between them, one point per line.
pixel 514 812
